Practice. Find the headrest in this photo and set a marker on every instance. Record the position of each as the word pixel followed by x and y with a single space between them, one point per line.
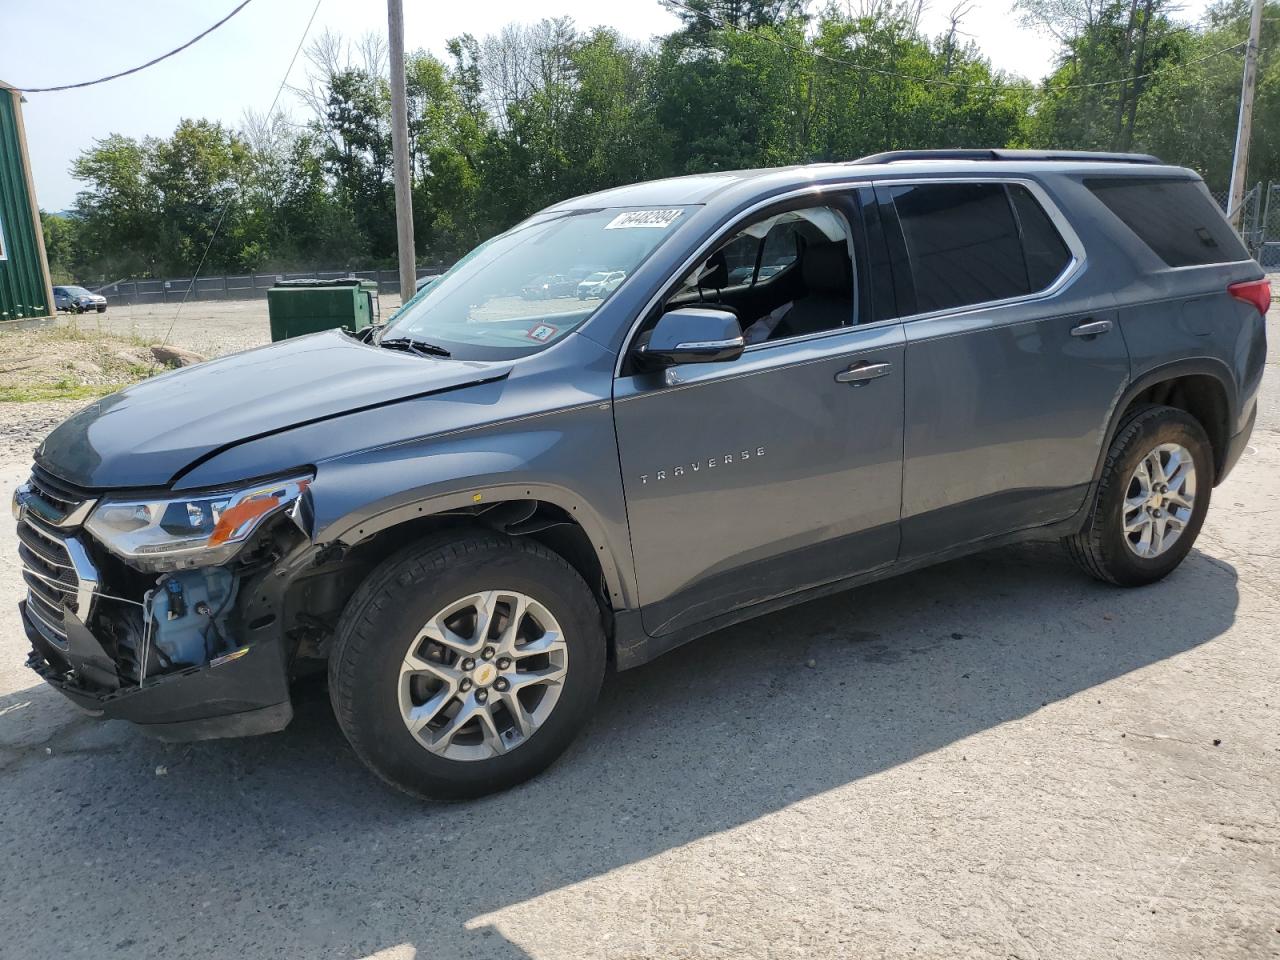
pixel 825 269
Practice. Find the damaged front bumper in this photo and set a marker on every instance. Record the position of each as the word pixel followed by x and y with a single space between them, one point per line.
pixel 242 693
pixel 197 654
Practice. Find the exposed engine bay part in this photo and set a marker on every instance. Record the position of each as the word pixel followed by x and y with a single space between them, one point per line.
pixel 189 626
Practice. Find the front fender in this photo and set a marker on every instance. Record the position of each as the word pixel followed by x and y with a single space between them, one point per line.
pixel 568 458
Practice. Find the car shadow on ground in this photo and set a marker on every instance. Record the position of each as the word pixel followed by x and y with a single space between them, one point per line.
pixel 285 846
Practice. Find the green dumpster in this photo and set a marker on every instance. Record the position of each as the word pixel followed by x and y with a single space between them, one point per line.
pixel 298 307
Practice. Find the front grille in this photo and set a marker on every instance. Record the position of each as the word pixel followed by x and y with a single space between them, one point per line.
pixel 55 567
pixel 64 505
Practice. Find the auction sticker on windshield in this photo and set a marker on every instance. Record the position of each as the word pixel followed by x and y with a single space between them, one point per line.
pixel 542 332
pixel 658 219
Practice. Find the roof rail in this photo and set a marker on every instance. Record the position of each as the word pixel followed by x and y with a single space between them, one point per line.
pixel 897 156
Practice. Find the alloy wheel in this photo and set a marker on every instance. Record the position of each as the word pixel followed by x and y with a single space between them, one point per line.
pixel 1159 500
pixel 482 675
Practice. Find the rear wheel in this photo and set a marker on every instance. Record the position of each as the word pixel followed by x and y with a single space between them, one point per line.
pixel 1151 501
pixel 466 666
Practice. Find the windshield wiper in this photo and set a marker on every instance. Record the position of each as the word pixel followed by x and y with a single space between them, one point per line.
pixel 410 345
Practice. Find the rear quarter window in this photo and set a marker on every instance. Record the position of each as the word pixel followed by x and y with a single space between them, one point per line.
pixel 1046 252
pixel 1176 219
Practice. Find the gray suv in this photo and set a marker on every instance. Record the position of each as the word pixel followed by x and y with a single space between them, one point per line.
pixel 810 378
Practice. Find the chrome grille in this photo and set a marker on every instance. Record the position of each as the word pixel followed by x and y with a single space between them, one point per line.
pixel 59 575
pixel 58 504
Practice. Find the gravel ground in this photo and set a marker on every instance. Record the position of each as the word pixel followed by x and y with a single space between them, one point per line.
pixel 995 757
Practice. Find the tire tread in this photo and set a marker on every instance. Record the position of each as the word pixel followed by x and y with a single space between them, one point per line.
pixel 1087 547
pixel 416 563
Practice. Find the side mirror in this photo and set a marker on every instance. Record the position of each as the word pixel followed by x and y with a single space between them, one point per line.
pixel 693 335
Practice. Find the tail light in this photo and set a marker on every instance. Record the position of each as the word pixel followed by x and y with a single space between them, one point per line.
pixel 1257 293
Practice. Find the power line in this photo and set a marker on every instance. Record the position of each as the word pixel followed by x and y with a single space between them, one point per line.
pixel 939 81
pixel 149 63
pixel 230 197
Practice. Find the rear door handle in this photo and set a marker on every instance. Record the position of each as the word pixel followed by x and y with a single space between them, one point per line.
pixel 1091 329
pixel 860 373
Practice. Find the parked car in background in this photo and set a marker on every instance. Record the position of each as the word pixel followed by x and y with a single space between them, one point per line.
pixel 467 517
pixel 78 300
pixel 599 285
pixel 425 281
pixel 546 288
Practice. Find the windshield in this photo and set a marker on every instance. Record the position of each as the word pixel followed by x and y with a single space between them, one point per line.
pixel 77 291
pixel 519 292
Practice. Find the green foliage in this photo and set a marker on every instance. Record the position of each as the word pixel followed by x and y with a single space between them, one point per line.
pixel 61 245
pixel 516 121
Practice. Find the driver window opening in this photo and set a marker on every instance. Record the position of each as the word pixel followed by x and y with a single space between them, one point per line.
pixel 788 275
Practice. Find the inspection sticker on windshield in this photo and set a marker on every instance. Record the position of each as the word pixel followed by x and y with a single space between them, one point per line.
pixel 658 219
pixel 542 332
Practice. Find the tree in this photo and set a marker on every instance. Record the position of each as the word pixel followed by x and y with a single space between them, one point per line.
pixel 703 18
pixel 1091 100
pixel 196 177
pixel 510 123
pixel 61 245
pixel 117 208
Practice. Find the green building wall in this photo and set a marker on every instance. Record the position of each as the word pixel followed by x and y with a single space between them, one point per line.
pixel 24 274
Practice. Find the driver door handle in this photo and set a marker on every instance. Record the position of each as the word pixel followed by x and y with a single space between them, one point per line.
pixel 1091 329
pixel 860 373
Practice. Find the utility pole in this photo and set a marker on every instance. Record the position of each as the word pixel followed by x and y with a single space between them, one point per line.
pixel 400 150
pixel 1245 125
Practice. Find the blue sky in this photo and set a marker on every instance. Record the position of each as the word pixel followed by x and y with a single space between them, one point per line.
pixel 239 66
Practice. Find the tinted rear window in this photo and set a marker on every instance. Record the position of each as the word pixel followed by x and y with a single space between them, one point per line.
pixel 963 243
pixel 1177 219
pixel 967 246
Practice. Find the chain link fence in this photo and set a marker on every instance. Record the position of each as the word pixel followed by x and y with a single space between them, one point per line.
pixel 1267 247
pixel 1259 221
pixel 248 286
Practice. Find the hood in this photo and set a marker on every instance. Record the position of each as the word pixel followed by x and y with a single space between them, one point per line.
pixel 147 434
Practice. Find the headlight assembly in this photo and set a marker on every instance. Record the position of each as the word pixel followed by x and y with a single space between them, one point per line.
pixel 192 530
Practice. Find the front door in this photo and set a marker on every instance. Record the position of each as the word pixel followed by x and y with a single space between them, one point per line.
pixel 755 478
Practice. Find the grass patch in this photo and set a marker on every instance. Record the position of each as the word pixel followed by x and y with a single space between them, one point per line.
pixel 62 390
pixel 74 333
pixel 76 361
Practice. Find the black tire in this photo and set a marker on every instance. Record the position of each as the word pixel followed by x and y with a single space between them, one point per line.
pixel 393 603
pixel 1100 548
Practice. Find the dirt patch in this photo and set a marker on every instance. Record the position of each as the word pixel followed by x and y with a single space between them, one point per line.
pixel 70 363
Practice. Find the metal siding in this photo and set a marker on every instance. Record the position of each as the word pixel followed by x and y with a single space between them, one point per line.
pixel 23 288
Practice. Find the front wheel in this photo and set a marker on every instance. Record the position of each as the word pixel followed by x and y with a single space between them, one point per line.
pixel 1151 501
pixel 466 666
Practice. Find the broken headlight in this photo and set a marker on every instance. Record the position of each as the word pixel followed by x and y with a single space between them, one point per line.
pixel 193 530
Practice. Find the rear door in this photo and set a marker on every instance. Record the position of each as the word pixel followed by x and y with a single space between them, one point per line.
pixel 756 478
pixel 1013 360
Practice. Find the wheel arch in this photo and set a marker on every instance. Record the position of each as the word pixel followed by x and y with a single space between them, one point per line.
pixel 552 515
pixel 1201 387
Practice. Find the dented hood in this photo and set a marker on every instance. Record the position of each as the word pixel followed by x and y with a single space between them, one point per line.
pixel 148 434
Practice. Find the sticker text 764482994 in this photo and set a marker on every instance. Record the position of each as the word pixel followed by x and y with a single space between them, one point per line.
pixel 653 219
